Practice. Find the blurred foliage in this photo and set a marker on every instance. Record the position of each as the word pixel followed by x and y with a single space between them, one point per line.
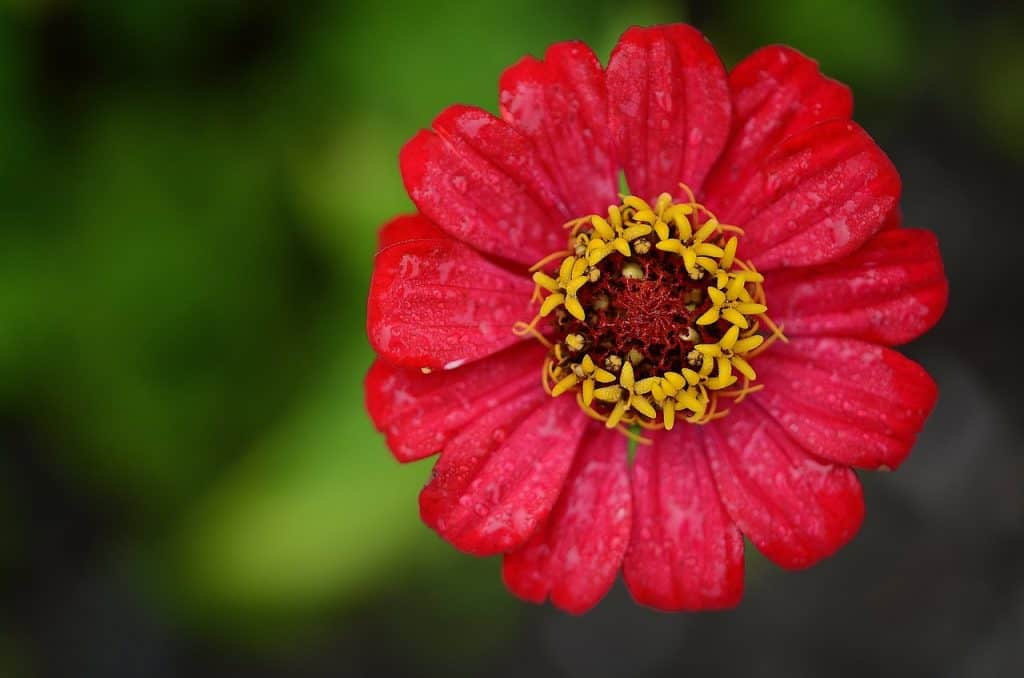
pixel 870 40
pixel 190 197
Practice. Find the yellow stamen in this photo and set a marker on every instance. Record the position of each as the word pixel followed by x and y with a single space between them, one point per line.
pixel 629 390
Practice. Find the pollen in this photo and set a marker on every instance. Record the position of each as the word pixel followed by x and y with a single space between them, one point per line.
pixel 650 316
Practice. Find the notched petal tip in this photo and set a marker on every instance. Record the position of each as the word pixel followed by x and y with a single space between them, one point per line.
pixel 817 197
pixel 669 107
pixel 891 291
pixel 474 174
pixel 796 509
pixel 575 556
pixel 497 481
pixel 561 105
pixel 847 401
pixel 776 92
pixel 686 553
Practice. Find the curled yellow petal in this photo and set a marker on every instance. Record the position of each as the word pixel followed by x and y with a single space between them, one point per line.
pixel 724 369
pixel 575 284
pixel 616 416
pixel 626 375
pixel 690 401
pixel 736 318
pixel 588 364
pixel 708 264
pixel 564 385
pixel 645 216
pixel 748 344
pixel 670 245
pixel 689 258
pixel 636 203
pixel 709 316
pixel 551 303
pixel 603 228
pixel 706 230
pixel 645 385
pixel 677 380
pixel 546 281
pixel 712 350
pixel 565 270
pixel 575 308
pixel 744 368
pixel 708 250
pixel 633 232
pixel 729 255
pixel 643 406
pixel 588 391
pixel 729 338
pixel 751 308
pixel 615 217
pixel 608 394
pixel 683 226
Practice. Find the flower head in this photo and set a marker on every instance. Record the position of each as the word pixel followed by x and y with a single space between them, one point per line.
pixel 731 314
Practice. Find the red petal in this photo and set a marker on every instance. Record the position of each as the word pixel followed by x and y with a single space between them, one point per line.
pixel 816 198
pixel 891 291
pixel 795 509
pixel 847 401
pixel 481 181
pixel 406 227
pixel 436 303
pixel 776 92
pixel 894 220
pixel 686 553
pixel 498 479
pixel 670 107
pixel 421 412
pixel 575 556
pixel 561 105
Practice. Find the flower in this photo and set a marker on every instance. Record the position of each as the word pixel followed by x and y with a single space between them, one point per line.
pixel 732 315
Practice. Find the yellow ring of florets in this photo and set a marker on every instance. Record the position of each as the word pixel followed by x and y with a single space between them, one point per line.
pixel 734 289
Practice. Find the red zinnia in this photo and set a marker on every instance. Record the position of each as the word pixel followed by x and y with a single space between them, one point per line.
pixel 762 230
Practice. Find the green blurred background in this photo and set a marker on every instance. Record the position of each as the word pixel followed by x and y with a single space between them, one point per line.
pixel 189 485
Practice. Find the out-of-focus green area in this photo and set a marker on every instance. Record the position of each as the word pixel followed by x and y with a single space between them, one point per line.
pixel 189 194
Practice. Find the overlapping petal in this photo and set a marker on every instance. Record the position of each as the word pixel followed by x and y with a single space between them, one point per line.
pixel 817 197
pixel 795 508
pixel 686 553
pixel 436 303
pixel 406 227
pixel 669 107
pixel 561 105
pixel 481 181
pixel 776 92
pixel 891 291
pixel 847 401
pixel 419 412
pixel 575 555
pixel 501 475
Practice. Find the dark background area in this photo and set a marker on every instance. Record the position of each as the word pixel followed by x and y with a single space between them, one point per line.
pixel 189 485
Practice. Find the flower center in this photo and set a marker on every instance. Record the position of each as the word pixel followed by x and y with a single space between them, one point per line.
pixel 650 315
